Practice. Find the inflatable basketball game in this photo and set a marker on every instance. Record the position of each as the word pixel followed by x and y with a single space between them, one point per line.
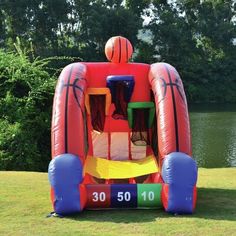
pixel 121 136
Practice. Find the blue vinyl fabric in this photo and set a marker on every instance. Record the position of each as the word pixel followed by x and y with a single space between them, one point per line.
pixel 127 80
pixel 179 171
pixel 124 195
pixel 65 175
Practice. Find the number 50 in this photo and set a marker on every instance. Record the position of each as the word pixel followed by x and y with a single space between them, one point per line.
pixel 124 196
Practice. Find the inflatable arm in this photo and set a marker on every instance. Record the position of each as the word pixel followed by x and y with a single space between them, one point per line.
pixel 68 147
pixel 69 112
pixel 178 169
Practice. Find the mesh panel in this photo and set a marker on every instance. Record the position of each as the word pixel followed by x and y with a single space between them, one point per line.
pixel 97 104
pixel 140 134
pixel 120 103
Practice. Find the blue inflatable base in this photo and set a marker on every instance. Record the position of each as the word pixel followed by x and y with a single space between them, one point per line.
pixel 65 175
pixel 179 171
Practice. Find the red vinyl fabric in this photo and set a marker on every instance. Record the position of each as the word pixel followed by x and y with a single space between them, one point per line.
pixel 171 110
pixel 68 132
pixel 72 128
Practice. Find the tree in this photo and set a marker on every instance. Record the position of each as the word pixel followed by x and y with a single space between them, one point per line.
pixel 196 37
pixel 100 20
pixel 138 6
pixel 77 28
pixel 40 22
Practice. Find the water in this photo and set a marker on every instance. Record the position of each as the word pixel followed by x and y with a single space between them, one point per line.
pixel 213 129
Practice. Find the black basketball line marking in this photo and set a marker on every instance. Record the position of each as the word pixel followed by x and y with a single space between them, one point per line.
pixel 127 52
pixel 112 52
pixel 119 50
pixel 175 110
pixel 66 111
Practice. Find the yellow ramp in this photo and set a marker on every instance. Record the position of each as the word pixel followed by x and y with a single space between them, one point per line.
pixel 108 169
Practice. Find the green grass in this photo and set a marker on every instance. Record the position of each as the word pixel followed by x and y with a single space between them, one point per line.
pixel 24 203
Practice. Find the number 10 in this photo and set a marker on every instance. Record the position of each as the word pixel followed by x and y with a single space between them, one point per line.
pixel 148 196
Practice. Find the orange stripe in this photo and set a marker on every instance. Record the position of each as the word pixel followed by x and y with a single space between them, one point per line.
pixel 109 138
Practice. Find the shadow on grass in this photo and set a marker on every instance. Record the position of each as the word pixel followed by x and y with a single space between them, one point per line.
pixel 215 204
pixel 120 215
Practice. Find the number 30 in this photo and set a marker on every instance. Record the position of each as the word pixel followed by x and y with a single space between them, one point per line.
pixel 99 196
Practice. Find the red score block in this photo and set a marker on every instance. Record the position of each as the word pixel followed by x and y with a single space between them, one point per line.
pixel 98 195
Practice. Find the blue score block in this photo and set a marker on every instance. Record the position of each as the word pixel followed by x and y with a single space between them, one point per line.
pixel 124 195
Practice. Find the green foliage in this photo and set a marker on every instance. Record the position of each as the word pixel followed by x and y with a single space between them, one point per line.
pixel 26 92
pixel 197 38
pixel 100 20
pixel 39 22
pixel 77 28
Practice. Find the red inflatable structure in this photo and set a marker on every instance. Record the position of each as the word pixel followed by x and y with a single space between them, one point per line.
pixel 121 136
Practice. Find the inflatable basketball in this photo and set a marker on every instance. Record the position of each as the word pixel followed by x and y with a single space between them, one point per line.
pixel 118 49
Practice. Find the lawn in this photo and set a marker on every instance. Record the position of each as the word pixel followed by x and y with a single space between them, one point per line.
pixel 24 204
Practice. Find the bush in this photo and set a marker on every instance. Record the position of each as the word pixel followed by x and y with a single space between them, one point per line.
pixel 26 95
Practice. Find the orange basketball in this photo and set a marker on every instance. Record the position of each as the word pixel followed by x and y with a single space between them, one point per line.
pixel 118 49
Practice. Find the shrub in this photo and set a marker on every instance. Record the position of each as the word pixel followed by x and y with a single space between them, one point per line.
pixel 26 95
